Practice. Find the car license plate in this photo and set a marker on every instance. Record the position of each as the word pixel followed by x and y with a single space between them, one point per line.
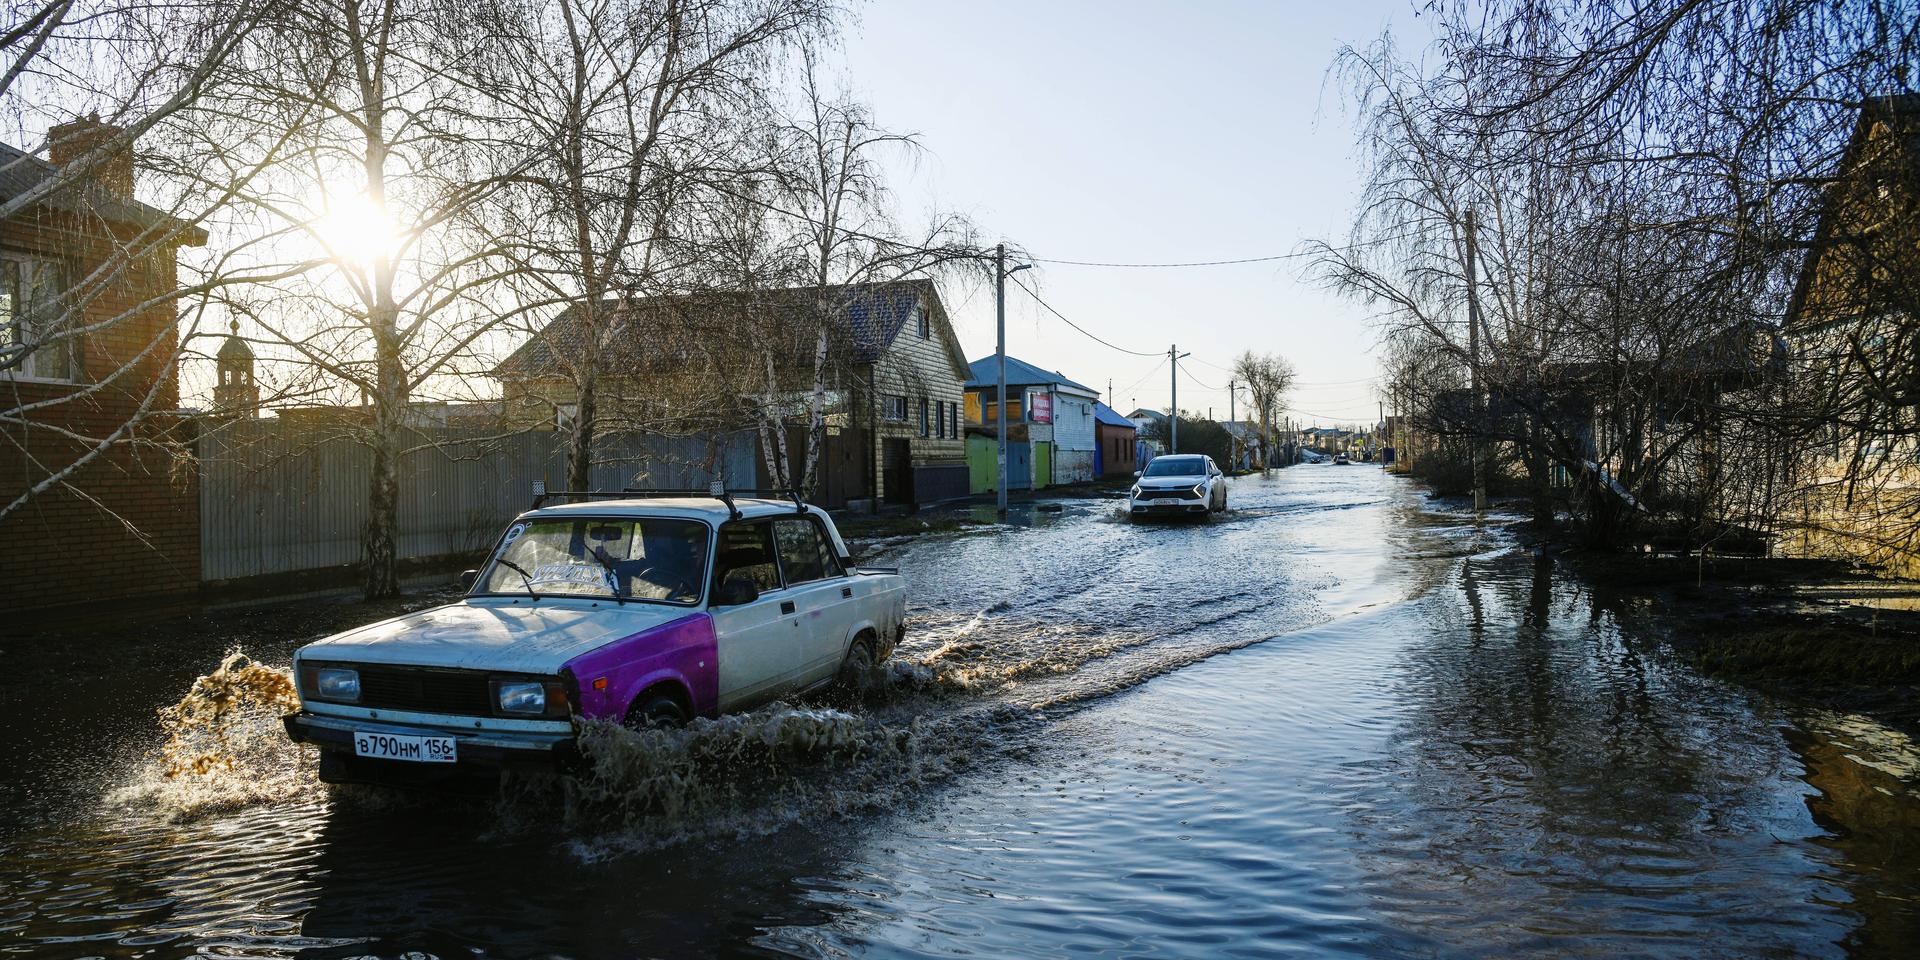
pixel 389 746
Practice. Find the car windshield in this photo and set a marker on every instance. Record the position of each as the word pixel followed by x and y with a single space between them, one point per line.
pixel 653 559
pixel 1175 467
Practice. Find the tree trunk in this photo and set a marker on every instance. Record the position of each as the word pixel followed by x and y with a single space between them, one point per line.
pixel 580 436
pixel 816 414
pixel 383 490
pixel 773 432
pixel 1539 478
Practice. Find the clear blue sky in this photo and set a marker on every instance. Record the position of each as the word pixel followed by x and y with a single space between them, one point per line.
pixel 1128 131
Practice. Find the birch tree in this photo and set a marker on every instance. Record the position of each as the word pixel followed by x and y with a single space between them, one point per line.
pixel 631 106
pixel 144 79
pixel 837 206
pixel 389 162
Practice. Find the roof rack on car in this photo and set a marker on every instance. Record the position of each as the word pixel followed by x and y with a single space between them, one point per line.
pixel 717 490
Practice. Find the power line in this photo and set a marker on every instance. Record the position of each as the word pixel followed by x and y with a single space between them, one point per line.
pixel 1334 383
pixel 1156 369
pixel 1063 317
pixel 1202 384
pixel 1156 266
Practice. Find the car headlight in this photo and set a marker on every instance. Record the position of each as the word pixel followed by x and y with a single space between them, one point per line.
pixel 1135 492
pixel 521 697
pixel 1199 489
pixel 337 683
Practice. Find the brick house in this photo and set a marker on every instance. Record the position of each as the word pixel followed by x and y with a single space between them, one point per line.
pixel 687 363
pixel 1116 443
pixel 93 364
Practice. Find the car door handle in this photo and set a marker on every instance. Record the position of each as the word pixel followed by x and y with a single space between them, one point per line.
pixel 786 606
pixel 846 593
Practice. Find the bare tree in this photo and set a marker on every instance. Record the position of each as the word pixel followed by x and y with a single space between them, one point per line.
pixel 1267 378
pixel 389 158
pixel 631 106
pixel 84 332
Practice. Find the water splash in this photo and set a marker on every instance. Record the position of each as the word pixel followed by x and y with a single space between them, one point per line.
pixel 225 747
pixel 752 773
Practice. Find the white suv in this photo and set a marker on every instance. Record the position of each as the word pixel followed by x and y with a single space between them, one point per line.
pixel 1178 485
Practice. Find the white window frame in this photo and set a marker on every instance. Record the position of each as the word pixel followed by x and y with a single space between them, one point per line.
pixel 27 372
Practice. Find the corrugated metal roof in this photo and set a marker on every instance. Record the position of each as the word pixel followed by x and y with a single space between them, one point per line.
pixel 1109 416
pixel 986 372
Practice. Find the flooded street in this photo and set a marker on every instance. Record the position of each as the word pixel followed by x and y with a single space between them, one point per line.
pixel 1334 721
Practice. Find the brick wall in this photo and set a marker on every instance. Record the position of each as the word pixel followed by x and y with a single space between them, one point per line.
pixel 126 525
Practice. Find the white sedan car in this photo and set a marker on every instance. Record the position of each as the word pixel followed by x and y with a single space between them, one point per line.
pixel 1178 485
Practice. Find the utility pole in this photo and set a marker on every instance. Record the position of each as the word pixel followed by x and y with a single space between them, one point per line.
pixel 1233 439
pixel 1000 274
pixel 1173 409
pixel 1475 450
pixel 1109 391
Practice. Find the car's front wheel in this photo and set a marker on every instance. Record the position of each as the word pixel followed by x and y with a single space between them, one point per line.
pixel 657 710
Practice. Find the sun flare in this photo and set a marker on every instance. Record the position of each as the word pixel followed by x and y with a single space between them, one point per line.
pixel 356 230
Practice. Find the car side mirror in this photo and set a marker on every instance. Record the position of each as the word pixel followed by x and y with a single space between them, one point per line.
pixel 468 578
pixel 1136 473
pixel 738 589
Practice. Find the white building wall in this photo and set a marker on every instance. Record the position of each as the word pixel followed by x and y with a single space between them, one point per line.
pixel 1073 437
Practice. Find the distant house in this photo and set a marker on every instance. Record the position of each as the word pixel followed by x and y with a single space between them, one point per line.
pixel 99 367
pixel 688 363
pixel 1116 443
pixel 1055 440
pixel 1249 445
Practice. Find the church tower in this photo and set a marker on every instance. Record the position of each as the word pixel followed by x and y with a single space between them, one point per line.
pixel 235 394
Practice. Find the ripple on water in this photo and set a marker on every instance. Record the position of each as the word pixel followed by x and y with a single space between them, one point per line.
pixel 1087 745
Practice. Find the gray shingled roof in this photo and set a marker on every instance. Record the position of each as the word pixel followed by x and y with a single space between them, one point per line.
pixel 875 314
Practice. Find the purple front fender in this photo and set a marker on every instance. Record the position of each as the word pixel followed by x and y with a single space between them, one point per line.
pixel 682 652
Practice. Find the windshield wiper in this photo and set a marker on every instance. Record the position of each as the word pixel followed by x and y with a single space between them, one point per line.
pixel 525 577
pixel 613 577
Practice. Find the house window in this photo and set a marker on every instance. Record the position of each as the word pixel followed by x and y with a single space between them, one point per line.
pixel 894 409
pixel 563 416
pixel 993 410
pixel 923 416
pixel 926 326
pixel 954 410
pixel 940 418
pixel 30 291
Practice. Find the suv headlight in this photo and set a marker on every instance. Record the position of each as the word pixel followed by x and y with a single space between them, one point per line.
pixel 337 683
pixel 1200 489
pixel 1135 492
pixel 529 698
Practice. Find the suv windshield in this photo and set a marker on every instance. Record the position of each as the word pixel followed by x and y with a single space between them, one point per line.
pixel 1175 467
pixel 652 559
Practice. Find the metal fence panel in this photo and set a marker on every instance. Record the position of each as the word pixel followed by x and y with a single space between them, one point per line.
pixel 281 498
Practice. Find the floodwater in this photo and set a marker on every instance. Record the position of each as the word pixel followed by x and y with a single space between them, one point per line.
pixel 1335 722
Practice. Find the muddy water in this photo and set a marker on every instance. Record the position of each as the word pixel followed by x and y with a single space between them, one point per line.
pixel 1335 722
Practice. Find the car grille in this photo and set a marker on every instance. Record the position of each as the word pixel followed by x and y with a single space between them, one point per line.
pixel 426 691
pixel 1176 493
